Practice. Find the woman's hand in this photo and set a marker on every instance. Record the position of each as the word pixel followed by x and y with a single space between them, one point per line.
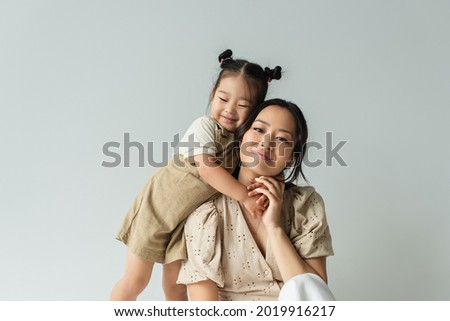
pixel 286 256
pixel 274 191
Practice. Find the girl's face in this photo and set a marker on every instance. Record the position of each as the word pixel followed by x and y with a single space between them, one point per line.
pixel 231 103
pixel 267 147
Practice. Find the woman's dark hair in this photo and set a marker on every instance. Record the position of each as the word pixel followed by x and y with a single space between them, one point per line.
pixel 255 76
pixel 301 134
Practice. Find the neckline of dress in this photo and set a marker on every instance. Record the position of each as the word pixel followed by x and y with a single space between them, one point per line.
pixel 255 244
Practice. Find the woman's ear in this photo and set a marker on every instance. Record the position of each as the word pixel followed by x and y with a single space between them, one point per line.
pixel 290 162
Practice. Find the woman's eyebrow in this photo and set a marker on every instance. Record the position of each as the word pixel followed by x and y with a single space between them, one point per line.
pixel 280 129
pixel 262 121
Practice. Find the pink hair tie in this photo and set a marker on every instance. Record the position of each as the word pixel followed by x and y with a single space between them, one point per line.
pixel 223 59
pixel 269 79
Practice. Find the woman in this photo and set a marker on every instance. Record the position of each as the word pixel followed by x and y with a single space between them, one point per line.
pixel 235 256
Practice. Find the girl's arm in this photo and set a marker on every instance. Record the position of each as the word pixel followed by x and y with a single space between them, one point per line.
pixel 288 260
pixel 222 181
pixel 203 291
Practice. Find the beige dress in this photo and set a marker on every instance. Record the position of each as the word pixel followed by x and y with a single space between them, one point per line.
pixel 153 226
pixel 221 248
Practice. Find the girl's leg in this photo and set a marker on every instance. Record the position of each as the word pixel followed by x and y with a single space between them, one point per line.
pixel 172 290
pixel 137 275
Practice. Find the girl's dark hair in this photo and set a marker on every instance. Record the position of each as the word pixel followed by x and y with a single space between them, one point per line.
pixel 301 134
pixel 254 75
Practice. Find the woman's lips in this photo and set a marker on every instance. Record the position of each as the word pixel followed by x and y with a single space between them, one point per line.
pixel 262 155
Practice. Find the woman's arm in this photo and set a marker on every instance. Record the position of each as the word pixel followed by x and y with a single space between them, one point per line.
pixel 203 291
pixel 288 260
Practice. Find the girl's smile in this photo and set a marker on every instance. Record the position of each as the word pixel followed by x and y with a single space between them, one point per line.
pixel 227 120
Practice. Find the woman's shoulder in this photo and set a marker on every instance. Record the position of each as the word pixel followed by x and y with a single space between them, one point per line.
pixel 202 220
pixel 210 209
pixel 302 195
pixel 301 200
pixel 306 222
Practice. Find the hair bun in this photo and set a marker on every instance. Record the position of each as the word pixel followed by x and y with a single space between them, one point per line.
pixel 274 73
pixel 225 56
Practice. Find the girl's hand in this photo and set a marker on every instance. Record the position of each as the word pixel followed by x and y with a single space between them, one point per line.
pixel 251 204
pixel 274 191
pixel 262 200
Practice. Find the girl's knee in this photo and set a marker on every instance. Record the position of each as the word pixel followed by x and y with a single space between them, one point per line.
pixel 170 272
pixel 175 292
pixel 136 283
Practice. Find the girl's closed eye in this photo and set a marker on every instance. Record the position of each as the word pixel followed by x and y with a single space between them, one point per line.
pixel 223 99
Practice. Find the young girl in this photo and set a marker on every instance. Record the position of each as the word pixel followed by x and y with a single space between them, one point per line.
pixel 153 227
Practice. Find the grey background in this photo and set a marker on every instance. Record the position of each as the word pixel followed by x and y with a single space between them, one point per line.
pixel 77 74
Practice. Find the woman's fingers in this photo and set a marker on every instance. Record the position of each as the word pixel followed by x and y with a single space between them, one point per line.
pixel 255 192
pixel 267 202
pixel 278 184
pixel 270 186
pixel 274 186
pixel 261 201
pixel 267 193
pixel 252 186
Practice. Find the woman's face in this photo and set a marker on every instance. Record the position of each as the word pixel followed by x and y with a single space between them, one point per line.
pixel 267 147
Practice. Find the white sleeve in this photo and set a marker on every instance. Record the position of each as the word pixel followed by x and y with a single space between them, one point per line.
pixel 306 287
pixel 199 138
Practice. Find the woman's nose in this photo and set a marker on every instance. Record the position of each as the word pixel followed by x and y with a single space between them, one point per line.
pixel 265 141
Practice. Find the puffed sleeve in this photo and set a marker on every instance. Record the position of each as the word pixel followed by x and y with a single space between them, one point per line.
pixel 203 244
pixel 309 231
pixel 199 138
